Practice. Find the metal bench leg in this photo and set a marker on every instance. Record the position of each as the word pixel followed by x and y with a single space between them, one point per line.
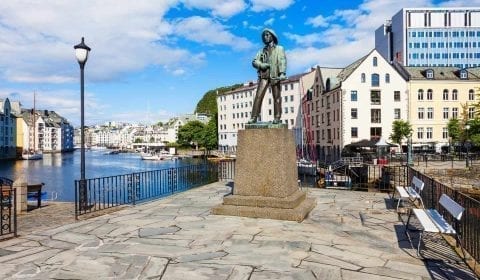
pixel 419 243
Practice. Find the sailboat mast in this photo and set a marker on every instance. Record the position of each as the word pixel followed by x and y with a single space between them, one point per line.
pixel 33 125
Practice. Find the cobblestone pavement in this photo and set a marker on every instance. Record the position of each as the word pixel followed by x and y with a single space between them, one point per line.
pixel 349 235
pixel 51 214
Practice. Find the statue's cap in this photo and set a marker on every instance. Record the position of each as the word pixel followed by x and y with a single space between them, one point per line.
pixel 275 38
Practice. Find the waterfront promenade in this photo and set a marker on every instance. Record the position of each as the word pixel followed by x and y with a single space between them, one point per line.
pixel 349 235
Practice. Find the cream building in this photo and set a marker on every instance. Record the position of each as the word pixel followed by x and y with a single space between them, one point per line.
pixel 360 102
pixel 437 95
pixel 235 107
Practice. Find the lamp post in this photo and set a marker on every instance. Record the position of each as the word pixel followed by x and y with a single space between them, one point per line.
pixel 81 53
pixel 467 144
pixel 409 151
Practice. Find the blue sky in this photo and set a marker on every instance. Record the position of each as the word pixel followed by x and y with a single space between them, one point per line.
pixel 153 60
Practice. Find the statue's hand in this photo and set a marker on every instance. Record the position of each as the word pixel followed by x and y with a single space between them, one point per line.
pixel 282 76
pixel 264 66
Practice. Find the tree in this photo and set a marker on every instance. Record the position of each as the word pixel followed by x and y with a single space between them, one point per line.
pixel 210 136
pixel 191 133
pixel 208 103
pixel 400 129
pixel 454 130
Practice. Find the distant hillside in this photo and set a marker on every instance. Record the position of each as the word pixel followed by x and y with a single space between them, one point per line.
pixel 208 103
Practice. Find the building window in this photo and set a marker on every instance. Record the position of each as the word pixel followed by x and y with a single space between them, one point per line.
pixel 463 74
pixel 430 113
pixel 471 112
pixel 471 95
pixel 421 113
pixel 376 115
pixel 454 113
pixel 362 79
pixel 445 113
pixel 429 132
pixel 354 132
pixel 375 97
pixel 375 133
pixel 375 62
pixel 445 133
pixel 375 80
pixel 353 95
pixel 454 94
pixel 420 133
pixel 387 78
pixel 429 74
pixel 445 94
pixel 429 94
pixel 396 114
pixel 420 94
pixel 353 113
pixel 396 95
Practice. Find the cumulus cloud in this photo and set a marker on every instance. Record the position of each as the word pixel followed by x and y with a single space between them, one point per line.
pixel 263 5
pixel 305 40
pixel 210 32
pixel 269 21
pixel 225 8
pixel 318 21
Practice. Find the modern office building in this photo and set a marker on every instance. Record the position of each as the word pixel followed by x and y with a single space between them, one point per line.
pixel 431 37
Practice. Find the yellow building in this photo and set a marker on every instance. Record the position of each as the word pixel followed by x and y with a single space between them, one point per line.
pixel 437 94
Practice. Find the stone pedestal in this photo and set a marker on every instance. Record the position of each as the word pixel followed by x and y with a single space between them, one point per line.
pixel 20 186
pixel 266 175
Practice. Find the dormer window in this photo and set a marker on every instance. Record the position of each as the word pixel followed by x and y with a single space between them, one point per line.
pixel 375 63
pixel 463 74
pixel 327 85
pixel 429 74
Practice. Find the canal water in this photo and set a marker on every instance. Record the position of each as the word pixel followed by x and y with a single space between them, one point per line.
pixel 59 171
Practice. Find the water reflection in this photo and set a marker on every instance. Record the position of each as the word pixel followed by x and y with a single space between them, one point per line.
pixel 58 171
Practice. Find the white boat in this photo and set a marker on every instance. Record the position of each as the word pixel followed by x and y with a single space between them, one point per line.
pixel 149 156
pixel 29 153
pixel 32 155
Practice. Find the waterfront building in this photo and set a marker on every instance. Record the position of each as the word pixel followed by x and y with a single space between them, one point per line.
pixel 235 107
pixel 8 127
pixel 438 94
pixel 360 102
pixel 447 36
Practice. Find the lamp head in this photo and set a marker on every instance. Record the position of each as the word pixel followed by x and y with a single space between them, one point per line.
pixel 81 52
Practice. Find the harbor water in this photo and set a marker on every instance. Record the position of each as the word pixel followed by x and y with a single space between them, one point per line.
pixel 59 171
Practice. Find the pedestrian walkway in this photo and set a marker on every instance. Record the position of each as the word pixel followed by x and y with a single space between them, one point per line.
pixel 349 235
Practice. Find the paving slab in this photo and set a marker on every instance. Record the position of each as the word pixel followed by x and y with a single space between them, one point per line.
pixel 348 235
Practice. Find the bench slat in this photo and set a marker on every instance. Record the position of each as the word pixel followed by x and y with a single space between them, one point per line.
pixel 451 206
pixel 425 220
pixel 439 221
pixel 402 192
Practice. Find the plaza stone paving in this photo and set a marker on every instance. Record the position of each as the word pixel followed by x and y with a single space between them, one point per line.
pixel 349 235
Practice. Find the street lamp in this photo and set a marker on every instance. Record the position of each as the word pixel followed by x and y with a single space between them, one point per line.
pixel 467 144
pixel 81 52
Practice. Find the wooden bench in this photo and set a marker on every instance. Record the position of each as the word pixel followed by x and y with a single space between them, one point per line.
pixel 432 221
pixel 412 193
pixel 36 190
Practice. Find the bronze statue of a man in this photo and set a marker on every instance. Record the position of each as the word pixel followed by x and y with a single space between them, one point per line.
pixel 271 64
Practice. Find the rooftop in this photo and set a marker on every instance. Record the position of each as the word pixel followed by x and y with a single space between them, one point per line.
pixel 349 235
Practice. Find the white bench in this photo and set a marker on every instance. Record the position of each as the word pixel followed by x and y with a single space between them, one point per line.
pixel 412 193
pixel 432 221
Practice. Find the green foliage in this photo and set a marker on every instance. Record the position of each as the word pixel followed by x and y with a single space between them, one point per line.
pixel 210 136
pixel 138 140
pixel 473 133
pixel 208 103
pixel 191 133
pixel 454 130
pixel 400 129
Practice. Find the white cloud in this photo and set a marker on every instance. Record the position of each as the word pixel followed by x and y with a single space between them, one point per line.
pixel 305 40
pixel 263 5
pixel 269 21
pixel 178 72
pixel 318 21
pixel 225 8
pixel 210 32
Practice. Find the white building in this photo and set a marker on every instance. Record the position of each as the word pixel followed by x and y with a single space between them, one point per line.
pixel 235 108
pixel 360 103
pixel 431 37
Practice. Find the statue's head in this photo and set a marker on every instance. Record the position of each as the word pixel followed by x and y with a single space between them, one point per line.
pixel 272 33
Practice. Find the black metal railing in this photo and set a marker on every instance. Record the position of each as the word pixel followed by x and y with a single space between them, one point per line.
pixel 8 210
pixel 106 192
pixel 469 227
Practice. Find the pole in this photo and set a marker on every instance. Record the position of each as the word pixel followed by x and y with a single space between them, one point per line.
pixel 83 185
